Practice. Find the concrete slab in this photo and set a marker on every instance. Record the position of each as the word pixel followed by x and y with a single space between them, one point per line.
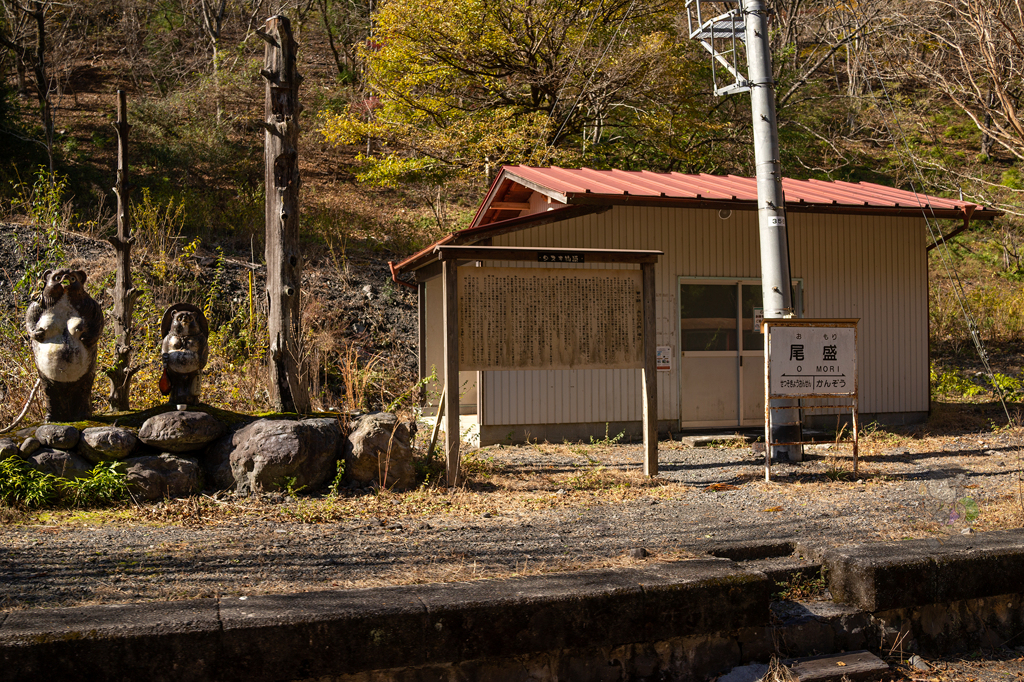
pixel 781 570
pixel 539 613
pixel 748 550
pixel 116 642
pixel 315 634
pixel 745 673
pixel 326 634
pixel 811 627
pixel 886 575
pixel 701 596
pixel 705 440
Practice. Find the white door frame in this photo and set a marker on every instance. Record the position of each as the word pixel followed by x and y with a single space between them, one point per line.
pixel 739 353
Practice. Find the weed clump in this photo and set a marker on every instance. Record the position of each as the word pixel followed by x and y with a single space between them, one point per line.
pixel 23 486
pixel 801 586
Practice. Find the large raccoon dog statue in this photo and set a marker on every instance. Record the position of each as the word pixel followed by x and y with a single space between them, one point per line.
pixel 184 352
pixel 65 323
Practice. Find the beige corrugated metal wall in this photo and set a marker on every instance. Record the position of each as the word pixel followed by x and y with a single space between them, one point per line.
pixel 875 269
pixel 852 266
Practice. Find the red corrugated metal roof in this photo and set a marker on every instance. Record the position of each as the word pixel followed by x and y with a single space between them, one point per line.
pixel 583 190
pixel 588 186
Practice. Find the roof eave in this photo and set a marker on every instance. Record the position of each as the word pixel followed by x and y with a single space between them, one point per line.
pixel 471 235
pixel 592 199
pixel 508 173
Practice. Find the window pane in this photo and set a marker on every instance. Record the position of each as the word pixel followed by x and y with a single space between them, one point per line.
pixel 708 316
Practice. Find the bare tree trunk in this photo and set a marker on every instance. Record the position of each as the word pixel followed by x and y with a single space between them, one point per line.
pixel 213 22
pixel 42 82
pixel 219 93
pixel 330 38
pixel 124 293
pixel 286 383
pixel 22 71
pixel 986 139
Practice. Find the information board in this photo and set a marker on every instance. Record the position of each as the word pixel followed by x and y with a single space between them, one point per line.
pixel 550 318
pixel 811 360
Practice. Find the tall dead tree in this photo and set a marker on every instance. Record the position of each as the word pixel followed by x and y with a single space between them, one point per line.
pixel 124 293
pixel 286 382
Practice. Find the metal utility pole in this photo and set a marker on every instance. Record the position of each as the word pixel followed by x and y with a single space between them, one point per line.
pixel 776 282
pixel 721 26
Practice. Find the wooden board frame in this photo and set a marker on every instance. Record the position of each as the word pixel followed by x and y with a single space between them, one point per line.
pixel 450 258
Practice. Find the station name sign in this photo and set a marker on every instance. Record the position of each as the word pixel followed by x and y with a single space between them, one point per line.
pixel 808 358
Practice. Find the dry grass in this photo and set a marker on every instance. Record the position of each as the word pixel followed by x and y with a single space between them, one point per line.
pixel 505 496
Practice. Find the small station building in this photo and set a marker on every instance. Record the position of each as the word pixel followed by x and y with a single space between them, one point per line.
pixel 857 250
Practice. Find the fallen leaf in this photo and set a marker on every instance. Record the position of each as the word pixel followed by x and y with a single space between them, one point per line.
pixel 840 663
pixel 775 509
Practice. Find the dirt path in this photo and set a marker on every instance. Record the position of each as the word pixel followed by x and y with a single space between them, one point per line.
pixel 524 510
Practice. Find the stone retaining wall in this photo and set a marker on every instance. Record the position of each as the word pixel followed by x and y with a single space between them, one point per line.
pixel 683 620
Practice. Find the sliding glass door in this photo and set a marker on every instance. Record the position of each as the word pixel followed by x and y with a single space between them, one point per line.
pixel 722 352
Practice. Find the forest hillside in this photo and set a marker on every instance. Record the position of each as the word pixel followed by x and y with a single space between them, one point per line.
pixel 411 106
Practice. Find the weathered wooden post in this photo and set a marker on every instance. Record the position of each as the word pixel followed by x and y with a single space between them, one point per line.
pixel 121 373
pixel 286 382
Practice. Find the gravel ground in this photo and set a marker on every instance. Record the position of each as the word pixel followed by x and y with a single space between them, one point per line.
pixel 525 509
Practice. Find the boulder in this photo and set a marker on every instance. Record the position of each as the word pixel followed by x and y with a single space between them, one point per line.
pixel 58 436
pixel 30 445
pixel 379 450
pixel 59 463
pixel 181 431
pixel 167 475
pixel 106 443
pixel 217 463
pixel 8 448
pixel 267 454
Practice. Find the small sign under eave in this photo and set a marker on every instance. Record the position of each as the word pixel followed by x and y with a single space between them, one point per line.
pixel 560 257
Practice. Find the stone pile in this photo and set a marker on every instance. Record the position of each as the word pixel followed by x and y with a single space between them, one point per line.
pixel 180 453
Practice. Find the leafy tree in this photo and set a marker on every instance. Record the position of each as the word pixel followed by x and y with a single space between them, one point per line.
pixel 470 85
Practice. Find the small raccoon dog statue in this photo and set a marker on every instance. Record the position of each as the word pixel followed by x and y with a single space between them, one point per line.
pixel 64 324
pixel 184 352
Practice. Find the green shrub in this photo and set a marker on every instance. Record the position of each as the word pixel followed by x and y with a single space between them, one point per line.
pixel 953 384
pixel 104 486
pixel 21 485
